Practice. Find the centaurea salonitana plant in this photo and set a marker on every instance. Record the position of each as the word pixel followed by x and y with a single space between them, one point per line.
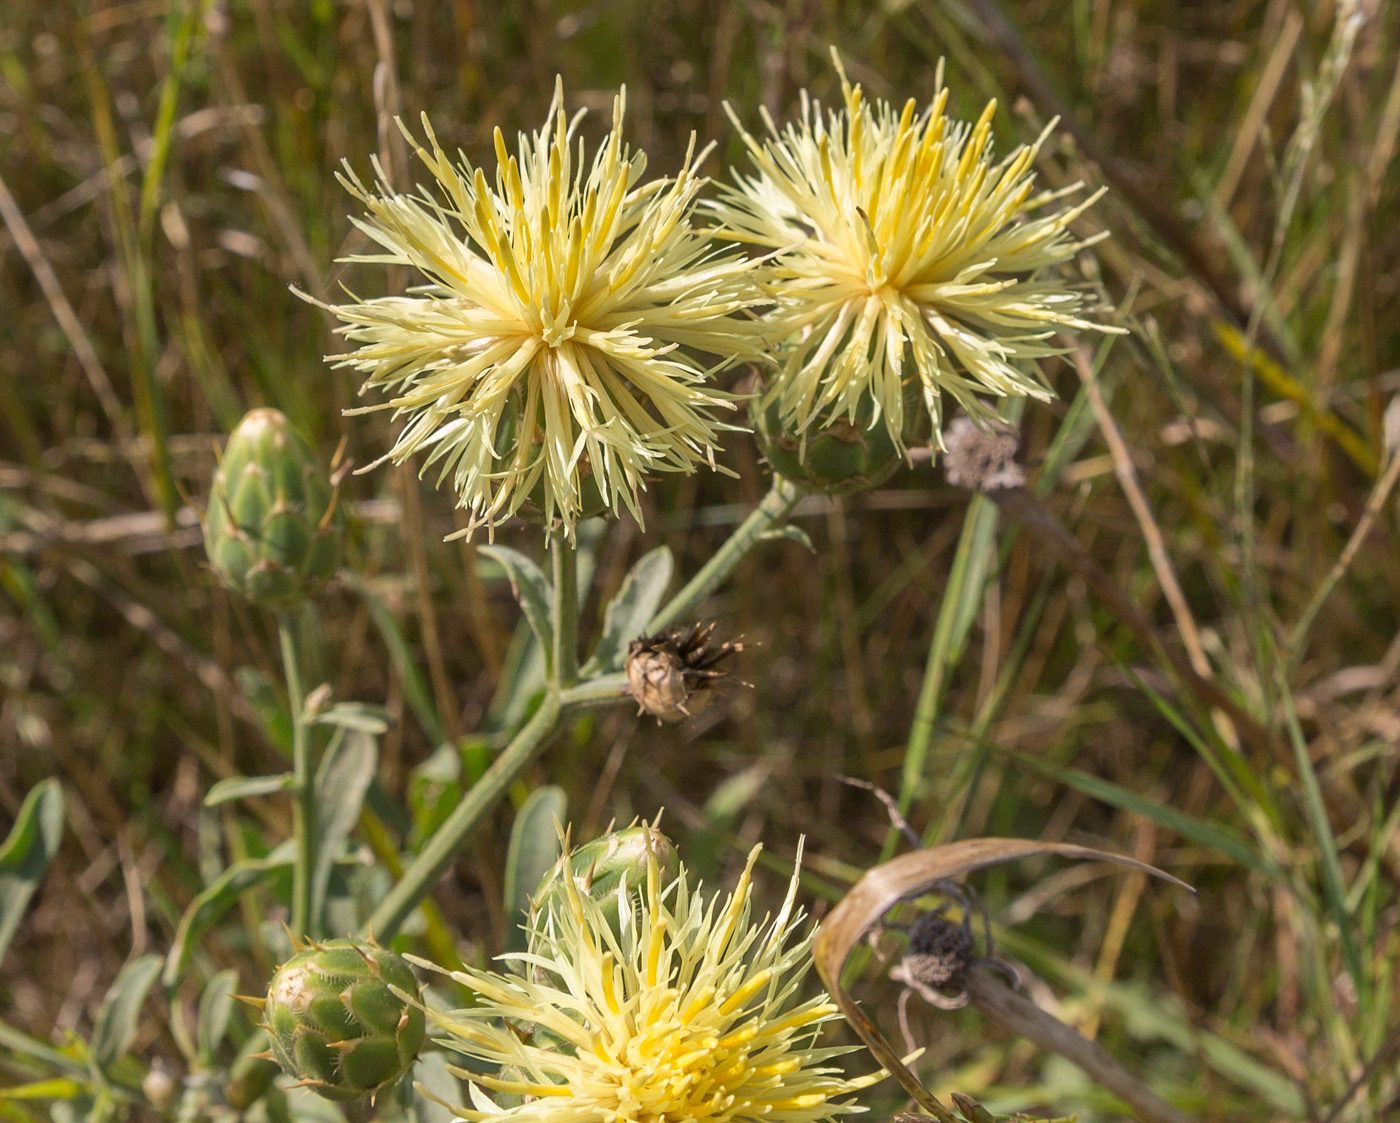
pixel 900 250
pixel 555 347
pixel 687 1009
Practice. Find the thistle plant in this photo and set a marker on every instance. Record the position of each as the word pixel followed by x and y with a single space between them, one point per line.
pixel 567 338
pixel 688 1008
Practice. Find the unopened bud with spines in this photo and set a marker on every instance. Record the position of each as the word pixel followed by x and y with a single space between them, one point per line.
pixel 339 1022
pixel 274 524
pixel 611 870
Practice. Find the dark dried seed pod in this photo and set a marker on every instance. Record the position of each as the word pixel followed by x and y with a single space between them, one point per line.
pixel 940 953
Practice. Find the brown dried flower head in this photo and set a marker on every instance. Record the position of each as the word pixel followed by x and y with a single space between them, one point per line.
pixel 672 674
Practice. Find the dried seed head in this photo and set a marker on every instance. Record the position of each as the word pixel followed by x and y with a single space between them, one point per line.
pixel 672 674
pixel 981 457
pixel 940 952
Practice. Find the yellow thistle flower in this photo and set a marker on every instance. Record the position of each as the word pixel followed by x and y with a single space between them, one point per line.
pixel 686 1010
pixel 897 244
pixel 543 353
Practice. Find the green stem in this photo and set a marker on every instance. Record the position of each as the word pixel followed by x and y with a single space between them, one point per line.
pixel 777 505
pixel 303 791
pixel 565 695
pixel 963 591
pixel 435 857
pixel 601 690
pixel 564 556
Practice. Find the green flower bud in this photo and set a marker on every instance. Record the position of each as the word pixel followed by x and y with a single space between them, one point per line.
pixel 604 867
pixel 273 528
pixel 337 1024
pixel 837 456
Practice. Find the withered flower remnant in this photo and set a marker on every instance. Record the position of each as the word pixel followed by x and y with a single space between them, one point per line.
pixel 673 674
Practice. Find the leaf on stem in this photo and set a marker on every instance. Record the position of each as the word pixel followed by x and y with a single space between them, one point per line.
pixel 26 854
pixel 244 787
pixel 215 1007
pixel 628 613
pixel 116 1023
pixel 341 782
pixel 531 589
pixel 534 848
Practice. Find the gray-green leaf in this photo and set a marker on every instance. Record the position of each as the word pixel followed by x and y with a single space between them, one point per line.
pixel 627 614
pixel 341 783
pixel 534 848
pixel 362 716
pixel 789 533
pixel 243 787
pixel 117 1018
pixel 530 586
pixel 215 1006
pixel 26 854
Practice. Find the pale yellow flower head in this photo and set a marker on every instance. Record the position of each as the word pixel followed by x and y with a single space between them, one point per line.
pixel 552 347
pixel 686 1010
pixel 901 251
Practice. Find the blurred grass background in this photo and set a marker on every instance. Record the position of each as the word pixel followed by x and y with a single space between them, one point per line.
pixel 166 176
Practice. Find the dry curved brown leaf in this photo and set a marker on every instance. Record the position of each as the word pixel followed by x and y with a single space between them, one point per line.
pixel 884 886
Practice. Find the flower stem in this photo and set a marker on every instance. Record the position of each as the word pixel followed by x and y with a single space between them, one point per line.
pixel 564 695
pixel 601 690
pixel 777 505
pixel 437 854
pixel 303 791
pixel 564 556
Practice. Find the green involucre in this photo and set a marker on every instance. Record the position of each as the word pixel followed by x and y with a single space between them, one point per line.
pixel 337 1024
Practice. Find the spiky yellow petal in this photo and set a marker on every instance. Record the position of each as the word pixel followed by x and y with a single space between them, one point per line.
pixel 679 1009
pixel 901 251
pixel 554 340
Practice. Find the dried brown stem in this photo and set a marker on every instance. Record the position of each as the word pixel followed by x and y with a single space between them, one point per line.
pixel 1021 1016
